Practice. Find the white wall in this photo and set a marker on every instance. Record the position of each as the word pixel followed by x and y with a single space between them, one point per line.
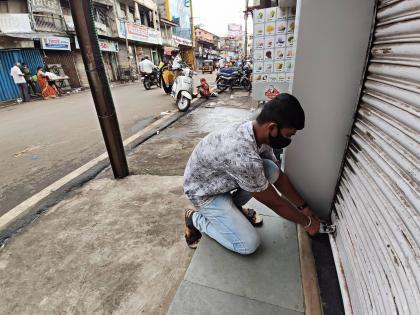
pixel 332 42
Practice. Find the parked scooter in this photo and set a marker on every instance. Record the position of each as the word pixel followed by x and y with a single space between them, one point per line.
pixel 234 77
pixel 150 79
pixel 182 89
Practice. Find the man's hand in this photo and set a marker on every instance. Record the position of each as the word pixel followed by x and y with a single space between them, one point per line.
pixel 314 227
pixel 309 212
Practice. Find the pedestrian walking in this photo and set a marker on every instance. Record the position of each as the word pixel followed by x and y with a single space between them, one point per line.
pixel 46 89
pixel 28 78
pixel 19 79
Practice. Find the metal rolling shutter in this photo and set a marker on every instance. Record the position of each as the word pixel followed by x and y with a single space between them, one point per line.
pixel 377 205
pixel 32 57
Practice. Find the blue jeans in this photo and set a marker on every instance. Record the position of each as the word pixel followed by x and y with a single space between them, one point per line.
pixel 223 221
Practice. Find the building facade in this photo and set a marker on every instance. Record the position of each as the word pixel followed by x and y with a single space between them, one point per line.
pixel 42 33
pixel 207 46
pixel 179 12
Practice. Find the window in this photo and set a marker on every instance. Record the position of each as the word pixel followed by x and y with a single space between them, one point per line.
pixel 100 15
pixel 4 6
pixel 122 10
pixel 146 16
pixel 65 5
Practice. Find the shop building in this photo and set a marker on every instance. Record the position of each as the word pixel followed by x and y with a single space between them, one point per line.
pixel 205 47
pixel 16 44
pixel 179 12
pixel 55 42
pixel 138 30
pixel 166 30
pixel 103 12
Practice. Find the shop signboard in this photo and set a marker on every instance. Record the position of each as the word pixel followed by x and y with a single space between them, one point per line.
pixel 273 52
pixel 139 33
pixel 182 41
pixel 234 31
pixel 46 6
pixel 55 43
pixel 104 45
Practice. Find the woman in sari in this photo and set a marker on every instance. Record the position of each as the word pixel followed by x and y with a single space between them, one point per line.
pixel 46 89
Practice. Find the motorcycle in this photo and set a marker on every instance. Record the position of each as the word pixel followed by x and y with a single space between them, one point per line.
pixel 234 77
pixel 150 79
pixel 182 88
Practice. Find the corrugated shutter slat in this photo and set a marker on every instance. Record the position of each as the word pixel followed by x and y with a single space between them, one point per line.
pixel 377 206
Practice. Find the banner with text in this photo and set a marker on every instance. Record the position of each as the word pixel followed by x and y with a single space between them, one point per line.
pixel 139 33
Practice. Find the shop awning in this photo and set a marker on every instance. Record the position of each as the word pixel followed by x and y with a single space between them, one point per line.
pixel 31 35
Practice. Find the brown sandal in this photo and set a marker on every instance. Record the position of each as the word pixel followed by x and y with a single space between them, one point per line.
pixel 253 217
pixel 192 235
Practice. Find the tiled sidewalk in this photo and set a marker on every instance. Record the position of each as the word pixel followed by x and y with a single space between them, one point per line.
pixel 268 282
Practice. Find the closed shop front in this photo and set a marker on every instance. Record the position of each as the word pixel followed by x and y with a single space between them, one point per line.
pixel 109 51
pixel 64 60
pixel 80 67
pixel 59 58
pixel 32 57
pixel 377 204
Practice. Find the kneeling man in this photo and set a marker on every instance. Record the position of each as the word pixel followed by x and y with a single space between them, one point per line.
pixel 229 167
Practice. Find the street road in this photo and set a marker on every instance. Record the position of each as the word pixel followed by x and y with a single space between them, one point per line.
pixel 42 141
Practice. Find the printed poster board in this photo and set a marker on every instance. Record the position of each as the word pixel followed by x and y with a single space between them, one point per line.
pixel 274 49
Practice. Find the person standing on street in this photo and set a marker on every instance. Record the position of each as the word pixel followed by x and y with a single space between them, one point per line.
pixel 28 78
pixel 19 79
pixel 229 167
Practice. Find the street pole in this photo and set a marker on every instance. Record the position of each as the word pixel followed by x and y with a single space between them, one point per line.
pixel 88 41
pixel 126 45
pixel 192 35
pixel 246 30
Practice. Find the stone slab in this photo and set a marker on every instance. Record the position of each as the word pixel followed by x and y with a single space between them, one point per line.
pixel 270 275
pixel 194 299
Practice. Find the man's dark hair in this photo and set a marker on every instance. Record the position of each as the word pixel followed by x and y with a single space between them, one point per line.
pixel 285 111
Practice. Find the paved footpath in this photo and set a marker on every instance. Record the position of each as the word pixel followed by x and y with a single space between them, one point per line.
pixel 114 246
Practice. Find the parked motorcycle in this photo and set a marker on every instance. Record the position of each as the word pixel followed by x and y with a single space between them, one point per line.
pixel 182 89
pixel 150 79
pixel 234 77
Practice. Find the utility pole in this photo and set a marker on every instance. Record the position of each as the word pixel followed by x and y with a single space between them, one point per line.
pixel 92 58
pixel 246 30
pixel 192 36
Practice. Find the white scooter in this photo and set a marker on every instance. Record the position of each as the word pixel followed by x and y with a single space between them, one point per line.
pixel 182 89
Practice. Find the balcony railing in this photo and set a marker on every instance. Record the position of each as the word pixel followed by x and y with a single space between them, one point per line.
pixel 49 23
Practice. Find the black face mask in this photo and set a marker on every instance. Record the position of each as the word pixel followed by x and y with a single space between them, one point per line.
pixel 278 142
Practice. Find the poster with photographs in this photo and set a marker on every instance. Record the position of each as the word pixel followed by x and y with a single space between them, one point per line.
pixel 259 16
pixel 258 30
pixel 258 54
pixel 274 51
pixel 280 41
pixel 290 53
pixel 279 53
pixel 258 67
pixel 269 41
pixel 271 14
pixel 259 43
pixel 268 67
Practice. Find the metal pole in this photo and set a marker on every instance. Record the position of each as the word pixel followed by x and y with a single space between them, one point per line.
pixel 246 30
pixel 127 46
pixel 88 40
